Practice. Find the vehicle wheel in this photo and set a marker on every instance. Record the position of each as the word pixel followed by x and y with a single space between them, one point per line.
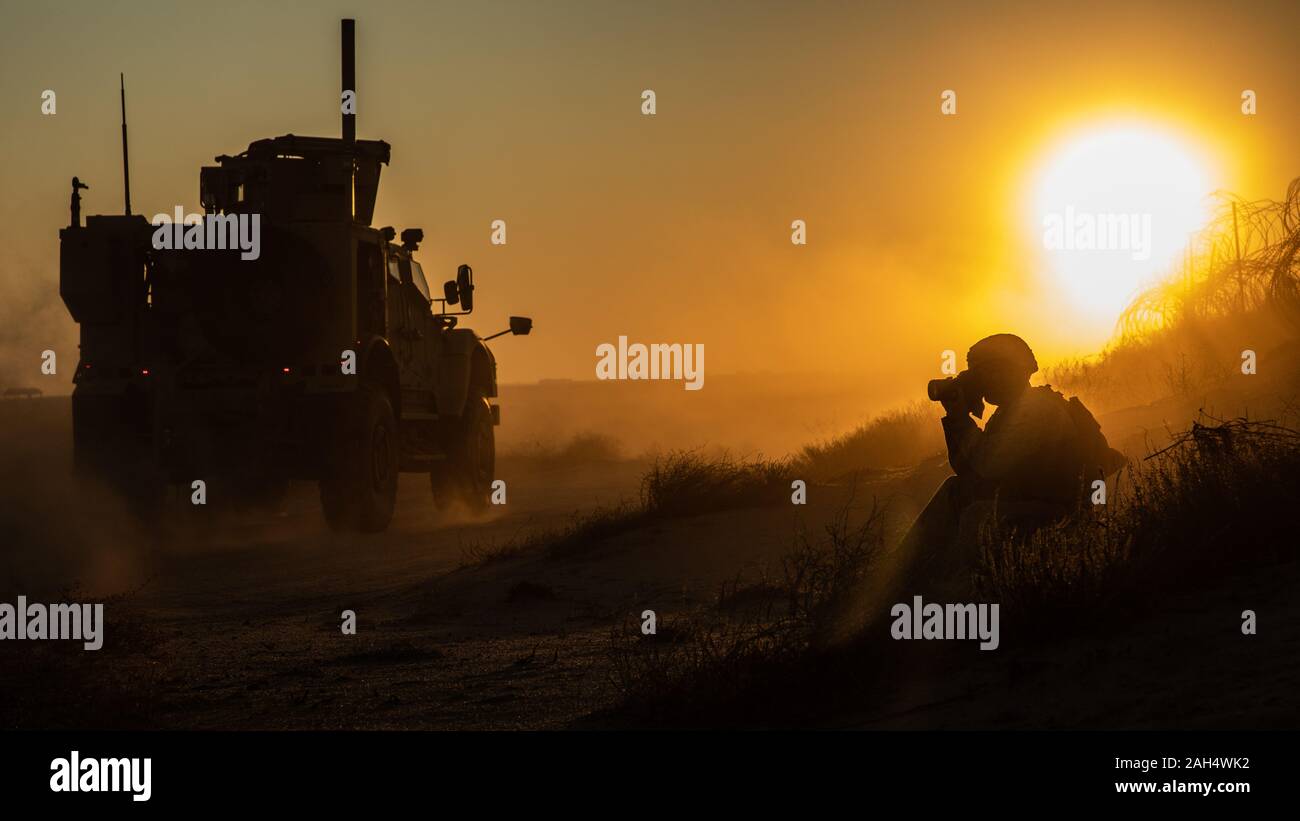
pixel 359 490
pixel 466 475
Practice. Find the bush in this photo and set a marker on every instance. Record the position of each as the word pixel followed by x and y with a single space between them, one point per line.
pixel 686 483
pixel 1220 496
pixel 726 663
pixel 583 535
pixel 901 437
pixel 582 449
pixel 679 484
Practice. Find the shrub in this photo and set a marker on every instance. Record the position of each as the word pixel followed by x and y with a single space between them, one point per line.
pixel 686 483
pixel 900 437
pixel 1220 496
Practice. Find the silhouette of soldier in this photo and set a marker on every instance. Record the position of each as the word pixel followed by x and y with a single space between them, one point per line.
pixel 1032 464
pixel 76 201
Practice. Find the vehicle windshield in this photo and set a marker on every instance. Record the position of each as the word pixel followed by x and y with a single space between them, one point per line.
pixel 417 277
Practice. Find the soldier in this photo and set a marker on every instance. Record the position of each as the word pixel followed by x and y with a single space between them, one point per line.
pixel 76 201
pixel 1027 466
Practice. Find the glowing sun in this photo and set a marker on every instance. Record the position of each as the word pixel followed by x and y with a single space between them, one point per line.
pixel 1113 207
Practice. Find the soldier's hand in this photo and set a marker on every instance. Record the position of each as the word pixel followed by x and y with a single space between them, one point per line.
pixel 956 404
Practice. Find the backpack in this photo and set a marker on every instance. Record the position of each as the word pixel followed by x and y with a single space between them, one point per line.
pixel 1099 458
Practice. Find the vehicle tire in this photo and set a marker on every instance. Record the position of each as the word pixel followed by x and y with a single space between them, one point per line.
pixel 359 490
pixel 466 475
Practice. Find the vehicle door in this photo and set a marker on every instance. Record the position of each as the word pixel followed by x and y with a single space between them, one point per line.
pixel 409 318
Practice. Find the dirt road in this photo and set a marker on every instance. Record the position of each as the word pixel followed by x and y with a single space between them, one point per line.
pixel 224 620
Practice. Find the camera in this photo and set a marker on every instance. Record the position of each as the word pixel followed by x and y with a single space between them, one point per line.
pixel 961 385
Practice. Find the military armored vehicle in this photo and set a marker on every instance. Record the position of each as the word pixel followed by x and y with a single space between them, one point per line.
pixel 326 357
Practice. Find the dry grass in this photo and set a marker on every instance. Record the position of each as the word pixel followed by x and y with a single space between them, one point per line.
pixel 1219 498
pixel 788 647
pixel 724 664
pixel 583 449
pixel 686 483
pixel 584 534
pixel 1236 288
pixel 1229 270
pixel 1188 361
pixel 900 437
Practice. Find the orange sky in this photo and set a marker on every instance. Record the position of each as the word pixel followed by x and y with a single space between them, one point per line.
pixel 671 228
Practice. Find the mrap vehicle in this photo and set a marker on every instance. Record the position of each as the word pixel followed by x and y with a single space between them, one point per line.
pixel 326 357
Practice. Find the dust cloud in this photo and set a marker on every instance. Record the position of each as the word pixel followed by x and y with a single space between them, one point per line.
pixel 58 534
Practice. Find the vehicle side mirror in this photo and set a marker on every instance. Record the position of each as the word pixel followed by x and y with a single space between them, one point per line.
pixel 520 325
pixel 465 287
pixel 451 292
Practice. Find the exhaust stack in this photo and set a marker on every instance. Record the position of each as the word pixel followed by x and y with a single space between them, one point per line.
pixel 126 162
pixel 349 78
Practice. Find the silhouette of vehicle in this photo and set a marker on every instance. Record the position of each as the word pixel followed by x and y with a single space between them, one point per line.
pixel 325 358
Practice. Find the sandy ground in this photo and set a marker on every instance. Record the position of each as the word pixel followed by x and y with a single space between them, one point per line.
pixel 227 621
pixel 1183 665
pixel 233 620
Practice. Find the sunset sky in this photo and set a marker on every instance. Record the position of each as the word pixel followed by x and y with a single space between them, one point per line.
pixel 675 227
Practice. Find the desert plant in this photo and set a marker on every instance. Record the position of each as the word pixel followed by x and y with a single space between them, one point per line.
pixel 1219 496
pixel 1245 258
pixel 684 483
pixel 903 436
pixel 722 663
pixel 582 449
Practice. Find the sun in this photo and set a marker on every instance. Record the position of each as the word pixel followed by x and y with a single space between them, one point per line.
pixel 1113 208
